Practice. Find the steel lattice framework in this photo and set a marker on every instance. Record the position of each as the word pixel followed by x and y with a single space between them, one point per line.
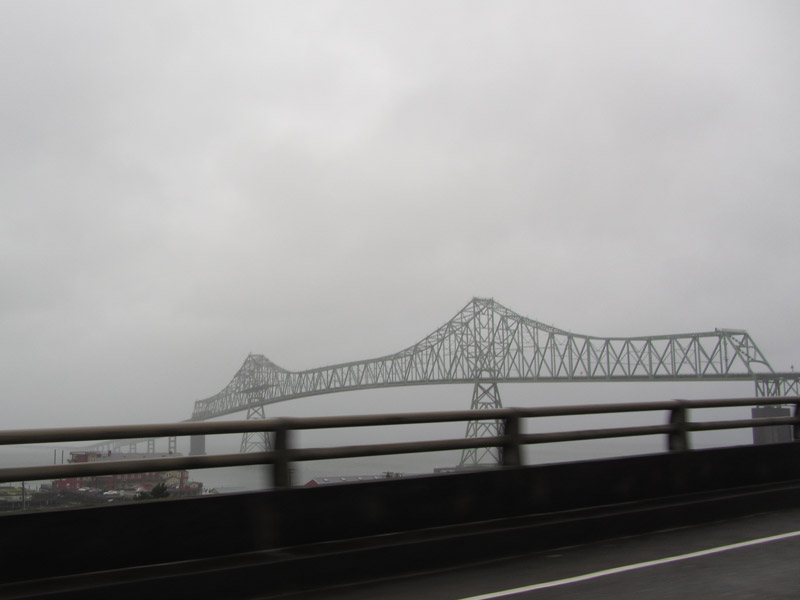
pixel 487 342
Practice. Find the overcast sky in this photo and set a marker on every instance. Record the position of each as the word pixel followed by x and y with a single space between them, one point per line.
pixel 182 183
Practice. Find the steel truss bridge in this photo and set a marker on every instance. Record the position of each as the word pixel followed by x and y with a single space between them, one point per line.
pixel 486 344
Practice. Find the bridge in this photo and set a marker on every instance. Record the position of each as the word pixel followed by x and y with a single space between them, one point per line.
pixel 486 344
pixel 485 341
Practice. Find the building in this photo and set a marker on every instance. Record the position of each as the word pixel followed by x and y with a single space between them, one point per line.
pixel 177 482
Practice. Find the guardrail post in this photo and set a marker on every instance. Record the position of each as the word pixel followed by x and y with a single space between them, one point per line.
pixel 511 447
pixel 280 468
pixel 796 428
pixel 678 440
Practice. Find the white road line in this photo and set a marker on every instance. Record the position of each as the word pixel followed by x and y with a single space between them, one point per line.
pixel 642 565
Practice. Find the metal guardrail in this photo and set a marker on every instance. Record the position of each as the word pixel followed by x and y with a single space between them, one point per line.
pixel 677 431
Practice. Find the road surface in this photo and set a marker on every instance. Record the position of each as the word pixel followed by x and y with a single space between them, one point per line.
pixel 753 557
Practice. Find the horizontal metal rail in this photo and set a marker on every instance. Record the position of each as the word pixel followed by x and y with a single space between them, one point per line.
pixel 283 455
pixel 121 467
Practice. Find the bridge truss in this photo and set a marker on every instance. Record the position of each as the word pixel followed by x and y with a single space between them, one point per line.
pixel 485 344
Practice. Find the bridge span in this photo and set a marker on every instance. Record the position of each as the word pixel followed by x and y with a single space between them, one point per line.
pixel 486 344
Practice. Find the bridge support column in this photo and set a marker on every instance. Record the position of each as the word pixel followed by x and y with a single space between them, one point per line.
pixel 484 395
pixel 770 386
pixel 197 445
pixel 775 434
pixel 256 441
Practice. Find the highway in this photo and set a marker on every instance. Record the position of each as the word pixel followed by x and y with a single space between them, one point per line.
pixel 748 557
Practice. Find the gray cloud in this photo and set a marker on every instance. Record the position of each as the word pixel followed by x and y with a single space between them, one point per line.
pixel 183 183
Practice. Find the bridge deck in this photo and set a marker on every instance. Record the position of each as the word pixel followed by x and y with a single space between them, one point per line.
pixel 743 558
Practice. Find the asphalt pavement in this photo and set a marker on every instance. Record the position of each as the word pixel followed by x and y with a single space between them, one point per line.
pixel 744 558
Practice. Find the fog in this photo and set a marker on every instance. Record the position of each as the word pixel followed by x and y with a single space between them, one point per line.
pixel 183 183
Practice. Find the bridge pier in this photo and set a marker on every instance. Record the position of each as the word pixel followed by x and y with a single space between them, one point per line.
pixel 772 385
pixel 772 435
pixel 197 445
pixel 484 395
pixel 255 441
